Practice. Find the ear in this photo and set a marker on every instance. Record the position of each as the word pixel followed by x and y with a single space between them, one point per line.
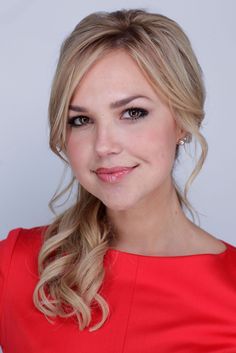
pixel 180 133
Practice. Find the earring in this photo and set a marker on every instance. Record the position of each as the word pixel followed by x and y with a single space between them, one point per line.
pixel 184 140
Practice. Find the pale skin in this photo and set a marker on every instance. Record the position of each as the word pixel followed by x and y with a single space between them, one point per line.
pixel 142 206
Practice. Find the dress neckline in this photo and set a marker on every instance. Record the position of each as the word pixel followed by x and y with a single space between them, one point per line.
pixel 214 255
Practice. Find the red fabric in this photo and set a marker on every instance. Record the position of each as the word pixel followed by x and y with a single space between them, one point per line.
pixel 182 304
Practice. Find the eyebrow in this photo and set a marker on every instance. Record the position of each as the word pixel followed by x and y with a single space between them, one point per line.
pixel 113 105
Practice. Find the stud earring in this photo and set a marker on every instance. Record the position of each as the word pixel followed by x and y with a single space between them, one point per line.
pixel 184 140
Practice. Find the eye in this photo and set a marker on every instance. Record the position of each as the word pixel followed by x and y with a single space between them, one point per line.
pixel 135 113
pixel 78 121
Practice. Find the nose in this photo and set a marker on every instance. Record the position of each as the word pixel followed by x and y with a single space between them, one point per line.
pixel 107 140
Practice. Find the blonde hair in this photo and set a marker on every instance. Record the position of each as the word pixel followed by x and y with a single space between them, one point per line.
pixel 71 258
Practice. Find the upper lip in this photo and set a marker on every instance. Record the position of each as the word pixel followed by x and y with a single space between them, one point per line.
pixel 113 169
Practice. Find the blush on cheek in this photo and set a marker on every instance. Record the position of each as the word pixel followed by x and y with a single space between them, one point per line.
pixel 72 145
pixel 68 133
pixel 162 144
pixel 163 139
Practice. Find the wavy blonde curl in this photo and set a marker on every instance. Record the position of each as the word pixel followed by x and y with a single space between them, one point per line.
pixel 71 258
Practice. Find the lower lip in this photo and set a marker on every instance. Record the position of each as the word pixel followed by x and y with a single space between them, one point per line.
pixel 114 177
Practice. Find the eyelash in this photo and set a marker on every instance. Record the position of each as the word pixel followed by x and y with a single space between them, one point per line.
pixel 142 113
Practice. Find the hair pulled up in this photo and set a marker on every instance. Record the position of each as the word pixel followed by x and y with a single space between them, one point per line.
pixel 71 258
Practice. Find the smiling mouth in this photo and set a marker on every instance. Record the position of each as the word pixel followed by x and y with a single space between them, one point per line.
pixel 113 175
pixel 113 169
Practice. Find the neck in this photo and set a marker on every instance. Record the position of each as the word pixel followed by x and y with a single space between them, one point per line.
pixel 154 225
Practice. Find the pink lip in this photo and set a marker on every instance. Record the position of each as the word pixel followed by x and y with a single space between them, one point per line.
pixel 113 175
pixel 112 170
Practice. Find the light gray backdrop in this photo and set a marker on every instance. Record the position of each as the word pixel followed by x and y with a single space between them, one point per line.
pixel 31 32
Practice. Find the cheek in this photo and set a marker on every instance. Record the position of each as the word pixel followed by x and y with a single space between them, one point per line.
pixel 160 142
pixel 76 153
pixel 160 151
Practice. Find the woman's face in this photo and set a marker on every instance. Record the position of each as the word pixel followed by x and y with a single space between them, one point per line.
pixel 116 120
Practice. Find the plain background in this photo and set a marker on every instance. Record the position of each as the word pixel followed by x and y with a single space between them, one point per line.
pixel 31 32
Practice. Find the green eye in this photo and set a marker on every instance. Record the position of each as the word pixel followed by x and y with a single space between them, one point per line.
pixel 78 121
pixel 135 113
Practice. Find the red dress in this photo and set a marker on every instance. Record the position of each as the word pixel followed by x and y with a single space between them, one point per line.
pixel 177 304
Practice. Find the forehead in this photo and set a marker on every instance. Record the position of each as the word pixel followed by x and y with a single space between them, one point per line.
pixel 116 73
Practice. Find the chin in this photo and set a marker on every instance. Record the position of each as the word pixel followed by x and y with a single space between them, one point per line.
pixel 115 205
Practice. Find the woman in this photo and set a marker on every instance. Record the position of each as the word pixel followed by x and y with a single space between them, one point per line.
pixel 123 269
